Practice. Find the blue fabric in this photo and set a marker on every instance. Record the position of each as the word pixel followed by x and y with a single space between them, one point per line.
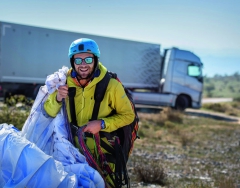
pixel 41 155
pixel 23 164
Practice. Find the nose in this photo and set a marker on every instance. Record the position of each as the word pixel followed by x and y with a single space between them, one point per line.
pixel 83 62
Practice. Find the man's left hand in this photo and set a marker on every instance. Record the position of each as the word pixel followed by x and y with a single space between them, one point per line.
pixel 93 126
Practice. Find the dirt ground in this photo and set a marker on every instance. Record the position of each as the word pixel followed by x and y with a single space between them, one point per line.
pixel 210 158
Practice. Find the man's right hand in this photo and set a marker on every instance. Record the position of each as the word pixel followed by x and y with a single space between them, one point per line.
pixel 62 93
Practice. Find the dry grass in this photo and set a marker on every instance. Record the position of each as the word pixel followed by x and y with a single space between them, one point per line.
pixel 167 114
pixel 173 142
pixel 202 147
pixel 232 108
pixel 150 171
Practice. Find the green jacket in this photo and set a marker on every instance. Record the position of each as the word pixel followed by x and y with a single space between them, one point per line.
pixel 115 99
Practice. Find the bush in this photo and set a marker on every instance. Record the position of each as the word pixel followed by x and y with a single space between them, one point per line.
pixel 218 107
pixel 14 116
pixel 150 171
pixel 172 115
pixel 237 99
pixel 16 99
pixel 16 110
pixel 167 114
pixel 232 108
pixel 186 138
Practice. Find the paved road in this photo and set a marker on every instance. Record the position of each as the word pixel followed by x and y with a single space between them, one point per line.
pixel 205 100
pixel 196 112
pixel 216 100
pixel 214 115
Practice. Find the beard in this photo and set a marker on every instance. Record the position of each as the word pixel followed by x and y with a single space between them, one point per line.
pixel 81 77
pixel 85 75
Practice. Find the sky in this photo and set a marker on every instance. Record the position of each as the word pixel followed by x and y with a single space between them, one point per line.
pixel 208 28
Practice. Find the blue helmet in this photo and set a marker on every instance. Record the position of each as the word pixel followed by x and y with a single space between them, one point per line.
pixel 83 45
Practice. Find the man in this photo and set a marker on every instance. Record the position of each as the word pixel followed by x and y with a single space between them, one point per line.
pixel 86 72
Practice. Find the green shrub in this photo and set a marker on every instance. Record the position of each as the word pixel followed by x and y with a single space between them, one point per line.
pixel 15 99
pixel 16 110
pixel 237 99
pixel 14 116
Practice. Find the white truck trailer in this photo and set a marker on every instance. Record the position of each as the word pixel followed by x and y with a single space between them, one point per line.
pixel 29 54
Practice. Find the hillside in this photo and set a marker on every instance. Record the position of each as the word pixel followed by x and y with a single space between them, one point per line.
pixel 222 86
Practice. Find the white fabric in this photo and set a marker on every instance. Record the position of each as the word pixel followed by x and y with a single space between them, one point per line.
pixel 57 79
pixel 43 146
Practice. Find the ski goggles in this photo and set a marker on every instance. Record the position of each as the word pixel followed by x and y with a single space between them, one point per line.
pixel 88 60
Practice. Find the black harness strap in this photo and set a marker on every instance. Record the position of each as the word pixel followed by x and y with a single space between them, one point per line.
pixel 73 123
pixel 71 94
pixel 99 94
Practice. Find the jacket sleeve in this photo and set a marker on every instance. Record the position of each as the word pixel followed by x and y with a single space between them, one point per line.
pixel 124 111
pixel 51 106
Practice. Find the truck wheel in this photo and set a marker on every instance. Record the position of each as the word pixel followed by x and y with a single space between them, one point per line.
pixel 182 103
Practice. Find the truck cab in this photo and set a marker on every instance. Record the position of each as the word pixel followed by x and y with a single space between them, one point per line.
pixel 180 83
pixel 182 77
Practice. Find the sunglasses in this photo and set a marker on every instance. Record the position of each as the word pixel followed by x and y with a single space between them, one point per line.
pixel 87 60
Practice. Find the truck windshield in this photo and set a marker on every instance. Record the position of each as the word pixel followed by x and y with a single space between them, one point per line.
pixel 195 71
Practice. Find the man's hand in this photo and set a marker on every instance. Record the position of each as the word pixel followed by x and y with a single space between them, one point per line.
pixel 62 93
pixel 93 126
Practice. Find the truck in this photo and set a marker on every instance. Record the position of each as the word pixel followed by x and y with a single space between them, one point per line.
pixel 28 54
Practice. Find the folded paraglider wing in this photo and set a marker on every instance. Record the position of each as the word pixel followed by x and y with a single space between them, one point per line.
pixel 41 155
